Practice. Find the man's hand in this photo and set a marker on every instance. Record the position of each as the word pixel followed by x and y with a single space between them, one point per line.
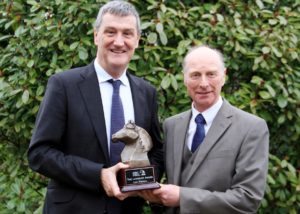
pixel 109 181
pixel 149 196
pixel 168 194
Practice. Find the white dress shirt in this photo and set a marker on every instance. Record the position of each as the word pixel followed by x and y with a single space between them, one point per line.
pixel 106 90
pixel 209 115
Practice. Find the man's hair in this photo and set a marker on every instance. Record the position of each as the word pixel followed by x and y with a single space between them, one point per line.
pixel 204 46
pixel 118 8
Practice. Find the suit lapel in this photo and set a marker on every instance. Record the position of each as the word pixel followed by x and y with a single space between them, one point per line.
pixel 90 91
pixel 137 99
pixel 220 124
pixel 181 127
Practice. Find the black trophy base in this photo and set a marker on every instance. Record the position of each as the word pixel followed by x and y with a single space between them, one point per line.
pixel 141 178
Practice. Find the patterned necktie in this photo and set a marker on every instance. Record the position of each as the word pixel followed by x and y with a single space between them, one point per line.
pixel 200 133
pixel 117 122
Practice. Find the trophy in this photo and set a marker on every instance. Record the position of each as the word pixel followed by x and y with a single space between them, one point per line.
pixel 141 174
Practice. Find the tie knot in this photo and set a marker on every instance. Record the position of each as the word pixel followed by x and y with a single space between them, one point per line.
pixel 200 119
pixel 115 83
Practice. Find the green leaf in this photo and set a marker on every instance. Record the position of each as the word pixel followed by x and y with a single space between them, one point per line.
pixel 276 52
pixel 270 90
pixel 152 38
pixel 2 38
pixel 282 179
pixel 44 43
pixel 17 128
pixel 166 82
pixel 237 22
pixel 273 21
pixel 284 163
pixel 256 80
pixel 74 45
pixel 220 18
pixel 260 4
pixel 163 38
pixel 271 179
pixel 30 63
pixel 163 8
pixel 159 28
pixel 145 25
pixel 20 30
pixel 282 101
pixel 31 2
pixel 281 119
pixel 266 50
pixel 174 82
pixel 25 96
pixel 14 92
pixel 40 90
pixel 83 54
pixel 264 94
pixel 282 20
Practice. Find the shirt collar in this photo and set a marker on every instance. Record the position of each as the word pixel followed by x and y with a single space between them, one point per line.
pixel 210 113
pixel 103 76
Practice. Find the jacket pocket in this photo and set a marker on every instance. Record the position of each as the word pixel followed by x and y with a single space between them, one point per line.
pixel 60 195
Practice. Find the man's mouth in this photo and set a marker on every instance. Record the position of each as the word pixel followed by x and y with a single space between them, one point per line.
pixel 203 92
pixel 118 51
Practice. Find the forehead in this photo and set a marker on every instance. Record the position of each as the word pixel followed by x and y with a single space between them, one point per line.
pixel 203 59
pixel 116 21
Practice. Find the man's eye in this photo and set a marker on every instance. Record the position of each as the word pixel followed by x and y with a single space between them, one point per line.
pixel 211 74
pixel 127 33
pixel 195 75
pixel 110 32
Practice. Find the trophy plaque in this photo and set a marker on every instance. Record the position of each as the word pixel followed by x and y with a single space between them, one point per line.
pixel 140 175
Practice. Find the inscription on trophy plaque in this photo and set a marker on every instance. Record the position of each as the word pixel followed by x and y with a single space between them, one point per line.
pixel 140 175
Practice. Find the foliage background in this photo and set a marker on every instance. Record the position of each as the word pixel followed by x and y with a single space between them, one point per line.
pixel 259 39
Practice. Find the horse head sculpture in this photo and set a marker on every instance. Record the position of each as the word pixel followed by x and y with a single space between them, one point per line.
pixel 137 144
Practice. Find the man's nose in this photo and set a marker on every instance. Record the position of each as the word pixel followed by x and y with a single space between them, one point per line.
pixel 203 81
pixel 119 40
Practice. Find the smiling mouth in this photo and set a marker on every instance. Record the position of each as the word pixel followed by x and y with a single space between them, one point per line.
pixel 118 51
pixel 203 92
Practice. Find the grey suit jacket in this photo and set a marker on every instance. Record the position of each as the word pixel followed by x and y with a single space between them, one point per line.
pixel 228 174
pixel 69 143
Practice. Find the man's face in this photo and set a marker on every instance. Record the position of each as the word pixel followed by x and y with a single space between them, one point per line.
pixel 116 39
pixel 204 78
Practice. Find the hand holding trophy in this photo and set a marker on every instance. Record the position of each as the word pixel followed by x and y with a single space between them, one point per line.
pixel 141 174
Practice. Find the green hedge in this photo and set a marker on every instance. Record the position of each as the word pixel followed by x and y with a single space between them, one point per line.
pixel 259 39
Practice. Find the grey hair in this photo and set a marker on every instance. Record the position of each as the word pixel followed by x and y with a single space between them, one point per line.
pixel 118 8
pixel 220 55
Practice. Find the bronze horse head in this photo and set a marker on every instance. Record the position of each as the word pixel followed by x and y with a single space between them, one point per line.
pixel 137 144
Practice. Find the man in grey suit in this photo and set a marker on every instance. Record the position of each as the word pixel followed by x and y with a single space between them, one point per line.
pixel 227 172
pixel 71 143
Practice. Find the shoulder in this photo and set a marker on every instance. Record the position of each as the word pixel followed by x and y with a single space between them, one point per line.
pixel 75 73
pixel 241 116
pixel 140 82
pixel 175 118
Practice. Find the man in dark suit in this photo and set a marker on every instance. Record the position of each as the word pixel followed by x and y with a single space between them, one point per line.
pixel 72 135
pixel 219 165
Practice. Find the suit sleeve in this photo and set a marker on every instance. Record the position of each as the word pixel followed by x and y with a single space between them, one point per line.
pixel 156 154
pixel 47 151
pixel 248 183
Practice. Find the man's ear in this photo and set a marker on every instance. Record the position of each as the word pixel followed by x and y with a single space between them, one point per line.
pixel 184 79
pixel 224 77
pixel 95 37
pixel 138 41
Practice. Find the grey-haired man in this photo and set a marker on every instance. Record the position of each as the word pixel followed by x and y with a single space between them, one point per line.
pixel 72 136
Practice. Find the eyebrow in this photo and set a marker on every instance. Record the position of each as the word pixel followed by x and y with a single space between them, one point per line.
pixel 114 28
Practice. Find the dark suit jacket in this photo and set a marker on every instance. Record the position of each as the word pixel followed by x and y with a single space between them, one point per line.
pixel 69 143
pixel 229 169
